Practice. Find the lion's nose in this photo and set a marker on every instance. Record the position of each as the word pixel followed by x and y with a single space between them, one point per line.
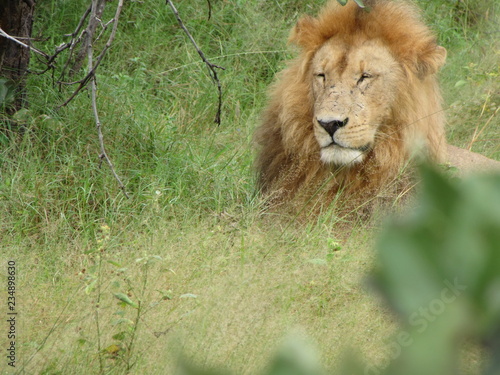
pixel 331 126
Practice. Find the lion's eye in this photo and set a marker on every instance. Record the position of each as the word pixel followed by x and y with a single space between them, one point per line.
pixel 363 77
pixel 321 76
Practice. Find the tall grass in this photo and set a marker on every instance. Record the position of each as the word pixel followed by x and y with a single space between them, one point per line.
pixel 233 279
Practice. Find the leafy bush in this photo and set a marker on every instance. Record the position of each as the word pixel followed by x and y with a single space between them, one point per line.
pixel 439 271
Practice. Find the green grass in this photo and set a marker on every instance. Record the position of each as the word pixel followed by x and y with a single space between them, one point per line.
pixel 256 276
pixel 470 79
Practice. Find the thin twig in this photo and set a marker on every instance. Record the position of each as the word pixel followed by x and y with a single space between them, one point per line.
pixel 85 80
pixel 7 36
pixel 74 40
pixel 91 77
pixel 211 67
pixel 92 69
pixel 82 83
pixel 209 9
pixel 104 28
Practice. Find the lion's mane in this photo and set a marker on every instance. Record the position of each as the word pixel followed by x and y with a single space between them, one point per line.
pixel 288 160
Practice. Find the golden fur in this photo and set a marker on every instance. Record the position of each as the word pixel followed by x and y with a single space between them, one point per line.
pixel 347 113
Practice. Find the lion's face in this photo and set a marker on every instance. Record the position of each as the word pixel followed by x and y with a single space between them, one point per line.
pixel 353 86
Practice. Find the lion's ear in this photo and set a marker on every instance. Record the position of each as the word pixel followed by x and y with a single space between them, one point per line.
pixel 305 34
pixel 430 60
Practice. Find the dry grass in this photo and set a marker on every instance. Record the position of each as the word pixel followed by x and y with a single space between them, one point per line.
pixel 236 292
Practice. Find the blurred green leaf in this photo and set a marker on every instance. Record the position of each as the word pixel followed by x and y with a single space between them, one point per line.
pixel 120 336
pixel 295 357
pixel 116 264
pixel 360 3
pixel 125 299
pixel 439 268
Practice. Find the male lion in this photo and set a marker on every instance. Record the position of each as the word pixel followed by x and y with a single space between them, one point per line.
pixel 348 113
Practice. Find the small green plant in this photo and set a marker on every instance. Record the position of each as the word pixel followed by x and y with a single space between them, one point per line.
pixel 130 293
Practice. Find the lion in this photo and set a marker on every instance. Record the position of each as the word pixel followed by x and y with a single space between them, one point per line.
pixel 349 112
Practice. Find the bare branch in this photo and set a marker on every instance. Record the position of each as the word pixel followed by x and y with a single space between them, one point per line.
pixel 74 40
pixel 7 36
pixel 90 32
pixel 82 20
pixel 91 77
pixel 91 73
pixel 209 9
pixel 211 67
pixel 82 83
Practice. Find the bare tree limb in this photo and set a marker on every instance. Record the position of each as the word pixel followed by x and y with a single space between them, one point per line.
pixel 91 73
pixel 211 67
pixel 5 35
pixel 74 40
pixel 93 84
pixel 89 33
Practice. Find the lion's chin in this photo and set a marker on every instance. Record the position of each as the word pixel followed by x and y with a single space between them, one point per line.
pixel 341 156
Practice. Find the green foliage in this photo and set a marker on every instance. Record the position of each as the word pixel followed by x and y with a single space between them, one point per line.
pixel 295 357
pixel 439 268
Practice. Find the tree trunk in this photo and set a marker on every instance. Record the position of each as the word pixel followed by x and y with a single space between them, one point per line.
pixel 16 19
